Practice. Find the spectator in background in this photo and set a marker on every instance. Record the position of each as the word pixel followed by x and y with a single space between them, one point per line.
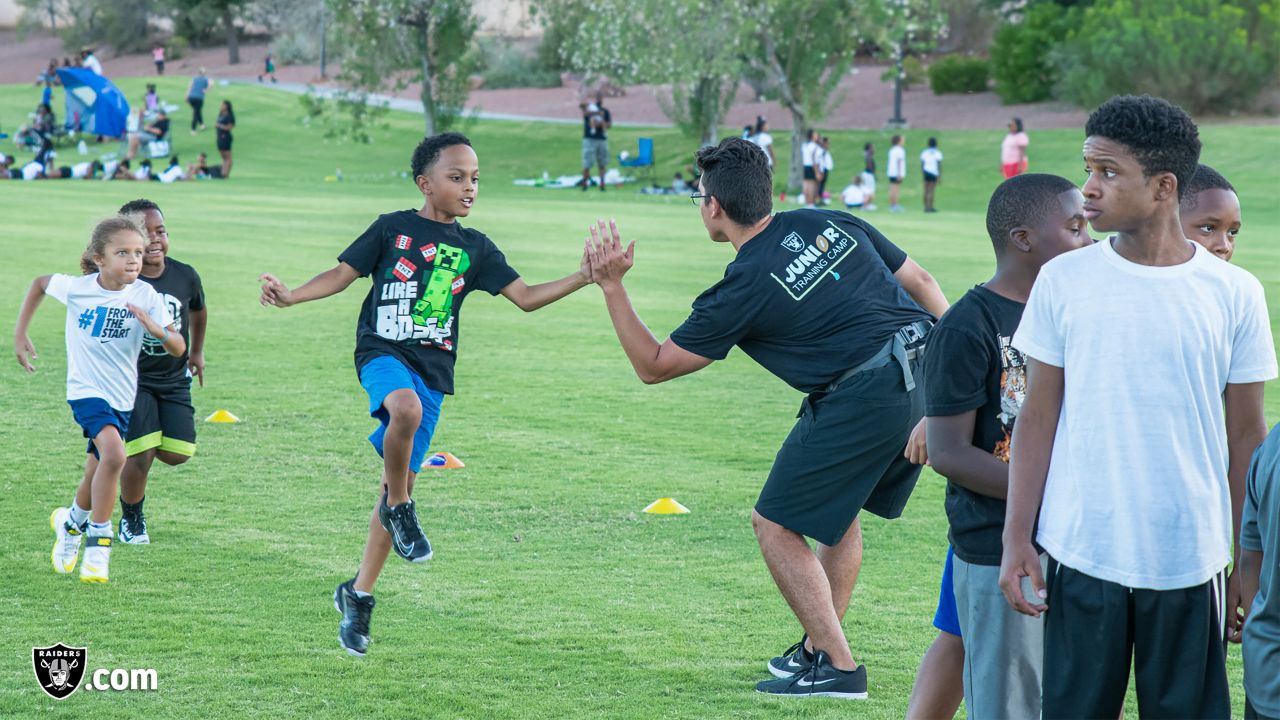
pixel 809 158
pixel 869 160
pixel 195 98
pixel 931 167
pixel 89 60
pixel 155 131
pixel 152 99
pixel 897 172
pixel 828 164
pixel 157 56
pixel 49 77
pixel 1013 150
pixel 268 68
pixel 596 121
pixel 852 195
pixel 199 170
pixel 225 124
pixel 760 136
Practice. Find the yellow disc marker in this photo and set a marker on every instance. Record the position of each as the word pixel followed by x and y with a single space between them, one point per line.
pixel 666 506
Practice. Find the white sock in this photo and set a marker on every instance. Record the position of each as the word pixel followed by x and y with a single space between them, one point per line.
pixel 99 529
pixel 359 594
pixel 78 514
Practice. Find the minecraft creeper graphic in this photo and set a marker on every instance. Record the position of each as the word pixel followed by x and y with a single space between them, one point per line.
pixel 437 296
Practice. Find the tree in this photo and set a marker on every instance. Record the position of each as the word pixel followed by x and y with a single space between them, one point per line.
pixel 803 48
pixel 391 43
pixel 697 49
pixel 195 19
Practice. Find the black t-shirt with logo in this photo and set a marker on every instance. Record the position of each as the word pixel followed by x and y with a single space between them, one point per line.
pixel 179 286
pixel 811 296
pixel 596 133
pixel 422 270
pixel 971 365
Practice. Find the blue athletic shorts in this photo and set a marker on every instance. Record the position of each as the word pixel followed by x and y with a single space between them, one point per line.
pixel 93 414
pixel 946 618
pixel 383 375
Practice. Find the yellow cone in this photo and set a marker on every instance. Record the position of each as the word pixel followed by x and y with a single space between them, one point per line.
pixel 222 416
pixel 666 506
pixel 442 461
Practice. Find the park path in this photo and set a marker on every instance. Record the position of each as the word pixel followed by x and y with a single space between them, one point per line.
pixel 866 101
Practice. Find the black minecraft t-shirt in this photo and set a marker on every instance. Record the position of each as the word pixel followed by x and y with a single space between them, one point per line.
pixel 971 365
pixel 422 270
pixel 179 286
pixel 811 296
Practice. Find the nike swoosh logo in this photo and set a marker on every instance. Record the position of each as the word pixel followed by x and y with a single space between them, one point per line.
pixel 793 663
pixel 809 683
pixel 400 543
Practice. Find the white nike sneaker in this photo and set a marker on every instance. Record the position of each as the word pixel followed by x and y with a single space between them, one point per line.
pixel 66 543
pixel 97 555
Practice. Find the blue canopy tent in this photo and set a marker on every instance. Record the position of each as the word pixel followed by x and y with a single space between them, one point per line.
pixel 94 104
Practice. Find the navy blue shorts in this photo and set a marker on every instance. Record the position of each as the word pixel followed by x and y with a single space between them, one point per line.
pixel 93 414
pixel 384 375
pixel 946 618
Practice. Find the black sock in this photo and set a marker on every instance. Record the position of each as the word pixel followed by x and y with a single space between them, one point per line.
pixel 129 509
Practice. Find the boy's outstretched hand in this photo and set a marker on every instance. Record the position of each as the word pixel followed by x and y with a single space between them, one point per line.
pixel 26 352
pixel 609 261
pixel 274 292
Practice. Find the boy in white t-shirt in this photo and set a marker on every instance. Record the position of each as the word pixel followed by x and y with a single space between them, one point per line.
pixel 853 195
pixel 108 312
pixel 1146 362
pixel 931 167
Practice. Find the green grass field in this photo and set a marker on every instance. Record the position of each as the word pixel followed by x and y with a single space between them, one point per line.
pixel 551 594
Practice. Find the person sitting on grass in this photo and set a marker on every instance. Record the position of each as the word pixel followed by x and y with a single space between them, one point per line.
pixel 852 195
pixel 155 131
pixel 422 264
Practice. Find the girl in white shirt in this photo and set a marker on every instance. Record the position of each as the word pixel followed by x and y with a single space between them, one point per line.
pixel 810 154
pixel 107 314
pixel 897 171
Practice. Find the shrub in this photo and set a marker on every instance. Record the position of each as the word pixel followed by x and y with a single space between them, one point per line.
pixel 958 74
pixel 1020 54
pixel 1206 55
pixel 176 48
pixel 508 67
pixel 912 69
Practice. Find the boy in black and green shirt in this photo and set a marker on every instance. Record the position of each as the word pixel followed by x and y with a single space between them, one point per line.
pixel 423 264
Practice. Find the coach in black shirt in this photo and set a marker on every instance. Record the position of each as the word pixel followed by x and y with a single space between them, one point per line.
pixel 825 302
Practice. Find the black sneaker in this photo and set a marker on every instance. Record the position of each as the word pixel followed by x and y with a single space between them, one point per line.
pixel 401 522
pixel 794 660
pixel 133 525
pixel 822 679
pixel 353 632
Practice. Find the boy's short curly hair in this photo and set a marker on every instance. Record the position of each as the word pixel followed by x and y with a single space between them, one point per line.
pixel 1161 136
pixel 1206 178
pixel 736 172
pixel 428 151
pixel 138 207
pixel 1022 201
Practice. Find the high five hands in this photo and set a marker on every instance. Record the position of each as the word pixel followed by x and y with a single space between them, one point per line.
pixel 605 253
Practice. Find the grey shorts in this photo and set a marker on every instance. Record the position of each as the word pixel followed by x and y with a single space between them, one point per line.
pixel 1003 649
pixel 595 152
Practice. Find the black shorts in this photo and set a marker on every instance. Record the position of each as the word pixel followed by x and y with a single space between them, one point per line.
pixel 163 418
pixel 809 174
pixel 930 177
pixel 844 455
pixel 895 180
pixel 224 143
pixel 1094 629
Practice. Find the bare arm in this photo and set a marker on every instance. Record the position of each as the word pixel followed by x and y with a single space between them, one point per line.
pixel 1246 429
pixel 654 362
pixel 531 297
pixel 329 282
pixel 922 288
pixel 170 338
pixel 1028 470
pixel 955 457
pixel 1249 570
pixel 25 351
pixel 195 362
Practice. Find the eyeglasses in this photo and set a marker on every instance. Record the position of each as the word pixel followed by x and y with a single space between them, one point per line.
pixel 697 198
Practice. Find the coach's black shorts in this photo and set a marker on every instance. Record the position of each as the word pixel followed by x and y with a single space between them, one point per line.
pixel 163 418
pixel 809 173
pixel 930 177
pixel 844 455
pixel 1174 639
